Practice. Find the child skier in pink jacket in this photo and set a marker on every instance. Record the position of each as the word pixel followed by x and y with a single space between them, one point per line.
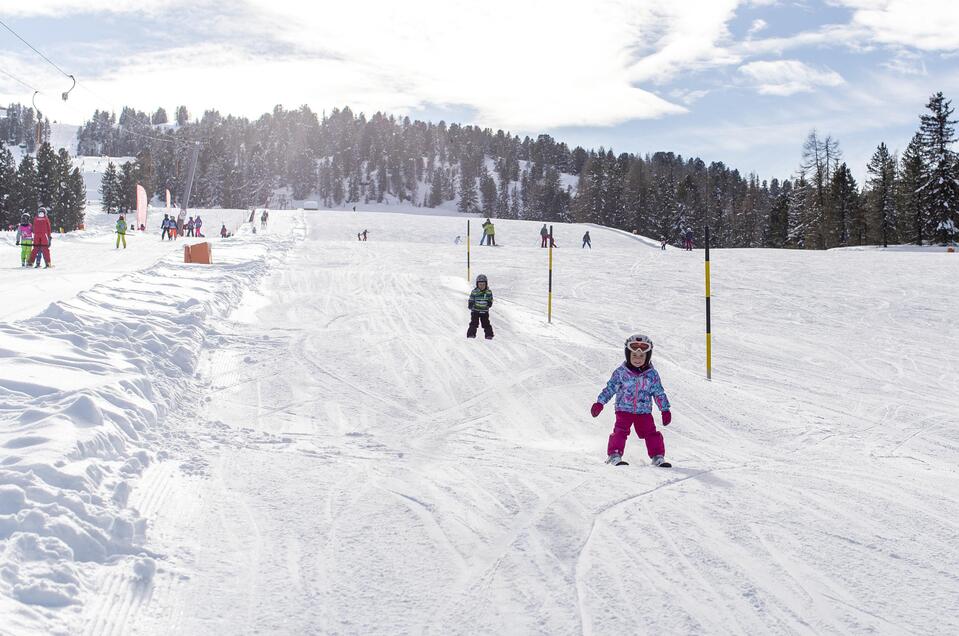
pixel 635 384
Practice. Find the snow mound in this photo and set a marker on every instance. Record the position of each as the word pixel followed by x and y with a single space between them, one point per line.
pixel 87 390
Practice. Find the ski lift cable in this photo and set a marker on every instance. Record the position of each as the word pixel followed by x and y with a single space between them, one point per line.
pixel 15 78
pixel 4 24
pixel 75 83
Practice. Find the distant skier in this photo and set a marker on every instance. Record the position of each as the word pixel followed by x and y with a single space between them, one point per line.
pixel 544 236
pixel 364 234
pixel 485 235
pixel 198 223
pixel 121 232
pixel 481 299
pixel 25 238
pixel 224 233
pixel 458 240
pixel 586 241
pixel 635 384
pixel 263 219
pixel 165 226
pixel 490 233
pixel 42 234
pixel 189 227
pixel 662 242
pixel 689 239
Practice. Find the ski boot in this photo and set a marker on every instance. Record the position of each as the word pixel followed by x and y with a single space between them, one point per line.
pixel 660 461
pixel 616 460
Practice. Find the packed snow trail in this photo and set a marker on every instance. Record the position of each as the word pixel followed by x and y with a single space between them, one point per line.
pixel 360 467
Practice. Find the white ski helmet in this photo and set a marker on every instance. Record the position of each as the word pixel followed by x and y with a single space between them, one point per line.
pixel 638 342
pixel 42 212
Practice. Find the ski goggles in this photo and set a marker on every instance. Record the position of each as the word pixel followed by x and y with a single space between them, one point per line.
pixel 639 346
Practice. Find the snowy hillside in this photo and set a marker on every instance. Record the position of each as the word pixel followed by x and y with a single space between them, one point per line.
pixel 300 439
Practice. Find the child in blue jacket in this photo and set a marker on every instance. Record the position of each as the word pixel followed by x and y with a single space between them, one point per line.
pixel 635 384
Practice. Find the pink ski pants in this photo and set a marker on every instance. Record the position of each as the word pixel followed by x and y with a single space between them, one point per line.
pixel 645 429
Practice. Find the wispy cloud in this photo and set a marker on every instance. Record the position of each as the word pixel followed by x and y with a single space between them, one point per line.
pixel 930 25
pixel 758 25
pixel 61 8
pixel 787 77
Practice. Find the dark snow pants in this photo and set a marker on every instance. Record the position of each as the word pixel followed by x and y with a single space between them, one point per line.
pixel 476 318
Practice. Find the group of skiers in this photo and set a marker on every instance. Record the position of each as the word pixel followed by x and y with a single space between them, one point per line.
pixel 547 240
pixel 635 384
pixel 33 237
pixel 175 227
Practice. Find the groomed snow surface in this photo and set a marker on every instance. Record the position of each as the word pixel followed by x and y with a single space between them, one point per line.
pixel 299 439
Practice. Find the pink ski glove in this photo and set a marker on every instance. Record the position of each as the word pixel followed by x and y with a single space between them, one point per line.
pixel 596 409
pixel 667 418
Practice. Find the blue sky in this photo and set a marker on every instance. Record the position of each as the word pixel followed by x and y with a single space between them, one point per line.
pixel 739 81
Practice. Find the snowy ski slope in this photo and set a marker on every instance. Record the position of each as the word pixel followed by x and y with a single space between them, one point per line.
pixel 337 457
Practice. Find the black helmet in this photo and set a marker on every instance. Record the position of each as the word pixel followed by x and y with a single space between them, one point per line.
pixel 481 279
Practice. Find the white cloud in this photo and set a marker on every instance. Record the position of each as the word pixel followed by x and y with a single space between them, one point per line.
pixel 906 62
pixel 534 64
pixel 60 8
pixel 682 36
pixel 930 25
pixel 786 77
pixel 758 25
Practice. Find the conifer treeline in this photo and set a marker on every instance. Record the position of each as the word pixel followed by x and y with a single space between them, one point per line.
pixel 50 180
pixel 345 159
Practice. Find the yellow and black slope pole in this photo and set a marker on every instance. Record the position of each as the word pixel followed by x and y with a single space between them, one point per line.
pixel 549 302
pixel 467 250
pixel 709 344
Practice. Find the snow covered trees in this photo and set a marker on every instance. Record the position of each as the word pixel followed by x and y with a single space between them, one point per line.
pixel 881 220
pixel 940 192
pixel 342 158
pixel 110 189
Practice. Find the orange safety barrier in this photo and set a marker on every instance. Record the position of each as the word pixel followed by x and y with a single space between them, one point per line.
pixel 199 253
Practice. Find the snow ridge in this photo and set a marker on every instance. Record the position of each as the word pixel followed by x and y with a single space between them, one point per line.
pixel 87 389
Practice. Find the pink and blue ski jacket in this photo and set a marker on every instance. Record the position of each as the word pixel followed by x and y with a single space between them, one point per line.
pixel 635 390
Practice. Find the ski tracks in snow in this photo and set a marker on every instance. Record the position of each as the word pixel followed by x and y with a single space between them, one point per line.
pixel 362 468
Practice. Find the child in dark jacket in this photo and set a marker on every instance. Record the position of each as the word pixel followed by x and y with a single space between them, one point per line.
pixel 481 299
pixel 635 384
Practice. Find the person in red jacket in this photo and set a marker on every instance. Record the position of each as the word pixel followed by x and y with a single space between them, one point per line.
pixel 41 238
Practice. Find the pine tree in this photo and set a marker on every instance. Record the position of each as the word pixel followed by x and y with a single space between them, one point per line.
pixel 941 191
pixel 182 116
pixel 159 117
pixel 8 189
pixel 797 205
pixel 127 190
pixel 27 196
pixel 502 199
pixel 844 203
pixel 436 188
pixel 910 195
pixel 47 175
pixel 882 196
pixel 467 202
pixel 487 193
pixel 778 233
pixel 110 189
